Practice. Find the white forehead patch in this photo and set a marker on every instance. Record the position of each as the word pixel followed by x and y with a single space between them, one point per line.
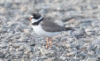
pixel 31 16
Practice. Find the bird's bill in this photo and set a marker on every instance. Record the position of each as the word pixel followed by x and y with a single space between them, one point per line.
pixel 30 18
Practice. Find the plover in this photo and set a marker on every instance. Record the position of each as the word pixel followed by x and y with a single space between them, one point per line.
pixel 46 28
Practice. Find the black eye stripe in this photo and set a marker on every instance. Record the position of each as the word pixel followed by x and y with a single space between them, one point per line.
pixel 36 15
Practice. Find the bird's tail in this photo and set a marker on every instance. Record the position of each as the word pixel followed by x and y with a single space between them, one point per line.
pixel 69 28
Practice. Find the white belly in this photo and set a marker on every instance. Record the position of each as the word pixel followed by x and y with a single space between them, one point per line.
pixel 38 30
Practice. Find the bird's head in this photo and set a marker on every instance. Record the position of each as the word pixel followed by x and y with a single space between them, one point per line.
pixel 35 17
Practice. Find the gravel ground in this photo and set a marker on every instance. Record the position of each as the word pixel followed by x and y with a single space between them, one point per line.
pixel 18 42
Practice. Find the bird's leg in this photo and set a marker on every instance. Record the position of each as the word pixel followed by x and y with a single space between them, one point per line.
pixel 50 42
pixel 47 46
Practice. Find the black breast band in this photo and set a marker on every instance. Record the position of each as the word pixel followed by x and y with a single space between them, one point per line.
pixel 37 23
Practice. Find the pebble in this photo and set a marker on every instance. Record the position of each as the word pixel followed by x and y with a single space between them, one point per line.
pixel 32 43
pixel 91 59
pixel 49 59
pixel 63 38
pixel 28 49
pixel 2 55
pixel 95 24
pixel 91 53
pixel 78 33
pixel 3 45
pixel 74 59
pixel 89 31
pixel 68 45
pixel 19 53
pixel 99 56
pixel 63 58
pixel 88 40
pixel 2 2
pixel 97 41
pixel 44 51
pixel 17 44
pixel 71 54
pixel 33 60
pixel 21 48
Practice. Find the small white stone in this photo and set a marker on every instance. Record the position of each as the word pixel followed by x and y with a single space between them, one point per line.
pixel 68 45
pixel 10 43
pixel 89 31
pixel 26 52
pixel 21 48
pixel 71 53
pixel 95 24
pixel 26 30
pixel 91 53
pixel 11 48
pixel 62 57
pixel 98 55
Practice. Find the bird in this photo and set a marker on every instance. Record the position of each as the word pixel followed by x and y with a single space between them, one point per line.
pixel 47 28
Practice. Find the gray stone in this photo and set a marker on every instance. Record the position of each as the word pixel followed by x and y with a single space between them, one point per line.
pixel 17 44
pixel 2 1
pixel 97 41
pixel 21 48
pixel 45 51
pixel 2 55
pixel 63 58
pixel 32 43
pixel 78 33
pixel 91 59
pixel 63 38
pixel 95 24
pixel 88 40
pixel 74 59
pixel 68 45
pixel 28 49
pixel 19 53
pixel 91 52
pixel 8 60
pixel 3 45
pixel 89 31
pixel 99 56
pixel 33 60
pixel 71 53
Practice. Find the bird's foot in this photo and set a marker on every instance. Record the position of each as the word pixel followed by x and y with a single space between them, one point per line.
pixel 48 43
pixel 47 46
